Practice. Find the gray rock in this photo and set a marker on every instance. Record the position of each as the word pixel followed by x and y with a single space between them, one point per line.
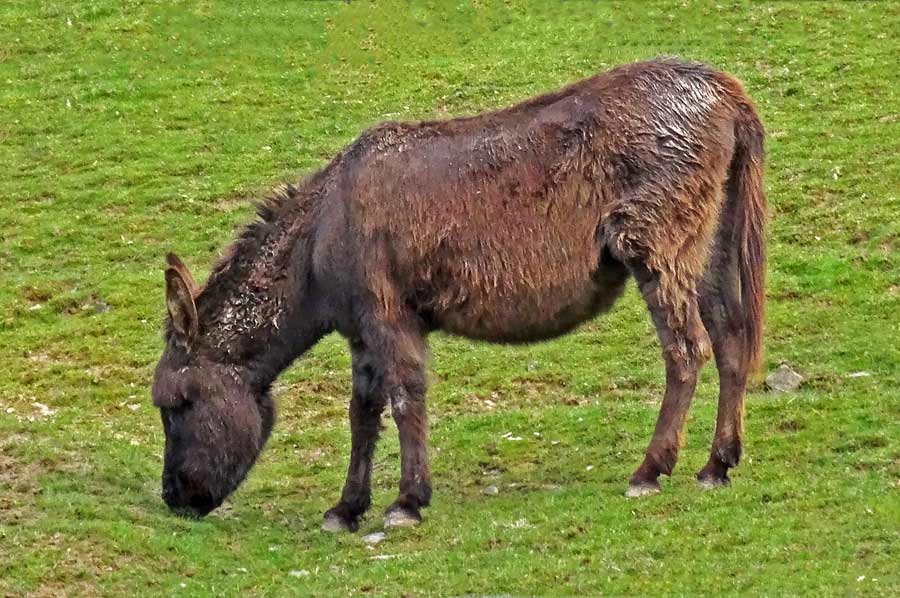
pixel 491 490
pixel 784 379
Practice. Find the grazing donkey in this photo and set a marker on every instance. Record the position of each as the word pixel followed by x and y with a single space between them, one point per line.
pixel 511 226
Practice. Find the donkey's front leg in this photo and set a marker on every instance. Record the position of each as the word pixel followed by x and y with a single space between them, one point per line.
pixel 408 407
pixel 366 406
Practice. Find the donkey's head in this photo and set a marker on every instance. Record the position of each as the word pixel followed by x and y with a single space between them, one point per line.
pixel 215 419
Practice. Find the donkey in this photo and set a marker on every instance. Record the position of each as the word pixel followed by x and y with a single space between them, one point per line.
pixel 511 226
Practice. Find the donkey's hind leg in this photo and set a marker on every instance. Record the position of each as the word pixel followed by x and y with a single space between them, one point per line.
pixel 685 345
pixel 729 351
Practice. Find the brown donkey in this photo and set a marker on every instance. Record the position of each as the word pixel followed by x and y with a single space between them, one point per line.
pixel 511 226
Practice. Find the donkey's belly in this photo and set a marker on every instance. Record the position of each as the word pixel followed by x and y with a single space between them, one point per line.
pixel 525 313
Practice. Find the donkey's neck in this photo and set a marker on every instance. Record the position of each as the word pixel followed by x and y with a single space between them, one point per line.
pixel 256 309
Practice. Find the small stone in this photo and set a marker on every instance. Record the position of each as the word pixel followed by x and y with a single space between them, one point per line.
pixel 784 379
pixel 43 409
pixel 491 490
pixel 859 374
pixel 299 573
pixel 373 538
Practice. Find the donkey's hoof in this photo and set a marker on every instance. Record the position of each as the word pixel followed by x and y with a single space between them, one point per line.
pixel 333 523
pixel 401 517
pixel 711 482
pixel 639 489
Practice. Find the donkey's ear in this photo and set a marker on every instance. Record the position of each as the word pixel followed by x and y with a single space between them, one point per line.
pixel 176 264
pixel 180 292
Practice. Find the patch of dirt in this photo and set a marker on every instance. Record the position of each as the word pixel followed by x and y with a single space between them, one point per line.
pixel 19 489
pixel 548 392
pixel 20 479
pixel 790 425
pixel 478 403
pixel 784 295
pixel 73 305
pixel 37 295
pixel 858 237
pixel 80 564
pixel 866 442
pixel 59 589
pixel 525 392
pixel 312 454
pixel 48 358
pixel 318 385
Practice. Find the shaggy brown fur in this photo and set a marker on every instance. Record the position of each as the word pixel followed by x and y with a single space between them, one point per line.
pixel 510 226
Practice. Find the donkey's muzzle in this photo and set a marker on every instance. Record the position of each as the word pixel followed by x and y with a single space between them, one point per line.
pixel 186 498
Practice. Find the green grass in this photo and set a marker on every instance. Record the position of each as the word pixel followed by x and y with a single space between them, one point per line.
pixel 129 129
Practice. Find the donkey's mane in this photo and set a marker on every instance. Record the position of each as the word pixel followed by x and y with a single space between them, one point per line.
pixel 277 212
pixel 267 211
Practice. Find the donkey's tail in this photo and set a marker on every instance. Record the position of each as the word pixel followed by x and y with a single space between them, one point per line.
pixel 746 202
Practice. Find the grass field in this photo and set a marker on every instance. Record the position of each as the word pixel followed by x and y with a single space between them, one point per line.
pixel 128 129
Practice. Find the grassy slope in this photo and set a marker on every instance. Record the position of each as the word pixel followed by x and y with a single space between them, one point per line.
pixel 126 132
